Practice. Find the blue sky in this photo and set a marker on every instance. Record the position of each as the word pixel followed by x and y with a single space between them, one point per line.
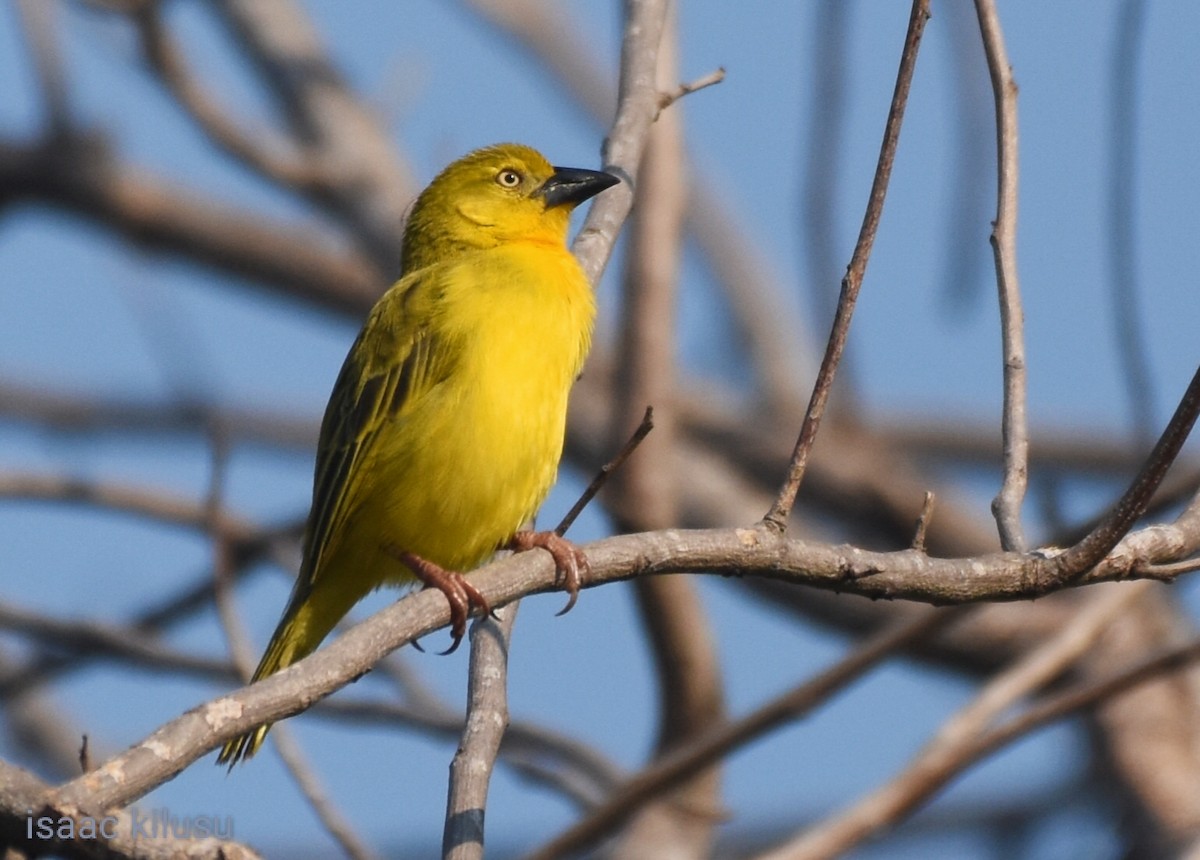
pixel 80 314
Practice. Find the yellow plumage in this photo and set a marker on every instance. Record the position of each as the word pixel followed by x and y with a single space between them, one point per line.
pixel 445 426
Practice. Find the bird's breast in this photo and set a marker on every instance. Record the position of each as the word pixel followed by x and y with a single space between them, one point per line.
pixel 521 323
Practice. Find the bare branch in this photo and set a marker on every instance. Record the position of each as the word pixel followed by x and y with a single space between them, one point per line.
pixel 487 720
pixel 1007 505
pixel 904 574
pixel 637 106
pixel 776 517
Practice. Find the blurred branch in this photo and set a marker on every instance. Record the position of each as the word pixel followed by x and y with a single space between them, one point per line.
pixel 678 632
pixel 1122 213
pixel 273 158
pixel 952 749
pixel 776 518
pixel 39 19
pixel 80 412
pixel 962 255
pixel 369 187
pixel 825 133
pixel 103 640
pixel 718 742
pixel 1007 504
pixel 152 504
pixel 83 177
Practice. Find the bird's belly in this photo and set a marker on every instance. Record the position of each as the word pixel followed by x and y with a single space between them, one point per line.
pixel 487 457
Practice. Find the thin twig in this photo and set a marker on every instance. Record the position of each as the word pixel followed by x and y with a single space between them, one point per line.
pixel 776 517
pixel 1133 502
pixel 1007 504
pixel 918 541
pixel 665 100
pixel 606 471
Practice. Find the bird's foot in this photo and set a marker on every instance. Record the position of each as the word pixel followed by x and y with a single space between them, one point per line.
pixel 460 594
pixel 570 563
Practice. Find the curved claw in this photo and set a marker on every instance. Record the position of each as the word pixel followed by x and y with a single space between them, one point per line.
pixel 460 594
pixel 570 563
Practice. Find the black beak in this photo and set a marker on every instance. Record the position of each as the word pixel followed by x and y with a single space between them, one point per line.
pixel 570 186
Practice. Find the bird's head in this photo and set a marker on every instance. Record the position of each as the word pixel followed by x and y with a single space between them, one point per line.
pixel 499 194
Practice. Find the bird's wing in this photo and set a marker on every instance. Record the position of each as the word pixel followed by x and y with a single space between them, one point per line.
pixel 397 358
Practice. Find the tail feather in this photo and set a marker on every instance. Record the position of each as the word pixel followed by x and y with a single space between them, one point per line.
pixel 305 624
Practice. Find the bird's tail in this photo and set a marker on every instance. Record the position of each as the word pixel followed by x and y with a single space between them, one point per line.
pixel 305 624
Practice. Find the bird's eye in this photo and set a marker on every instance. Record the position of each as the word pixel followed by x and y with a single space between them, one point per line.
pixel 508 178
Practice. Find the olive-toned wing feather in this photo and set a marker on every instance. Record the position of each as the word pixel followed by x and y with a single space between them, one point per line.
pixel 396 359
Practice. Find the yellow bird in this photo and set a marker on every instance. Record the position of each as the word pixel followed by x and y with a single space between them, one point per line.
pixel 445 426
